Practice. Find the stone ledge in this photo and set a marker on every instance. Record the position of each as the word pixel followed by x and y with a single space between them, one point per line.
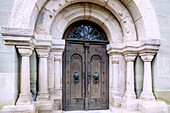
pixel 150 45
pixel 8 31
pixel 153 107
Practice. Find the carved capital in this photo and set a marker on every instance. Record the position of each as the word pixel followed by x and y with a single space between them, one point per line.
pixel 58 58
pixel 58 45
pixel 25 51
pixel 130 57
pixel 43 41
pixel 43 53
pixel 147 57
pixel 115 58
pixel 57 49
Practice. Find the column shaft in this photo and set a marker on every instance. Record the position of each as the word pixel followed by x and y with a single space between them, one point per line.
pixel 57 74
pixel 115 78
pixel 25 76
pixel 110 74
pixel 130 77
pixel 147 86
pixel 43 83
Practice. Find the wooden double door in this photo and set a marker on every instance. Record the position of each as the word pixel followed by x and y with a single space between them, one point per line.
pixel 85 77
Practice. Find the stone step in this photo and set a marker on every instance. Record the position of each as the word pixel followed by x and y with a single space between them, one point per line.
pixel 90 111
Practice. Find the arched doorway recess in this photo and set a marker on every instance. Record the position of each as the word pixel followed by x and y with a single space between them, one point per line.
pixel 85 68
pixel 41 26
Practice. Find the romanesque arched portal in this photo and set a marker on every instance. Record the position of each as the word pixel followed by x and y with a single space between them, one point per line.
pixel 39 25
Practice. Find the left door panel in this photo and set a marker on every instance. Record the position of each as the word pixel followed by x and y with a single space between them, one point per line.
pixel 74 77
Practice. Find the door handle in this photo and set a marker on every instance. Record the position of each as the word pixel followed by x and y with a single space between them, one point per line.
pixel 76 77
pixel 89 77
pixel 96 77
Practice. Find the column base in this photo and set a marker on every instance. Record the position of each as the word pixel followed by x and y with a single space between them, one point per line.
pixel 57 99
pixel 43 96
pixel 153 107
pixel 115 101
pixel 114 91
pixel 115 109
pixel 24 99
pixel 58 93
pixel 44 107
pixel 147 96
pixel 129 95
pixel 130 105
pixel 19 109
pixel 57 104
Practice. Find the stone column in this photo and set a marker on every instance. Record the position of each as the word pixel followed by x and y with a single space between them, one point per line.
pixel 130 93
pixel 51 73
pixel 57 49
pixel 25 97
pixel 147 81
pixel 115 75
pixel 115 99
pixel 43 93
pixel 58 73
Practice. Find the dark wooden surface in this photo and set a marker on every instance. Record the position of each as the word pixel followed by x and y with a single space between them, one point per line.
pixel 85 59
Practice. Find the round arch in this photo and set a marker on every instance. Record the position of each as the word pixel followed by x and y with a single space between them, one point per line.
pixel 25 13
pixel 75 12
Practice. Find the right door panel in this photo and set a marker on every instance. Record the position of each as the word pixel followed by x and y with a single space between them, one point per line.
pixel 98 85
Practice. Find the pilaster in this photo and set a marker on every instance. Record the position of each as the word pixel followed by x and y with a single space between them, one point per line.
pixel 114 88
pixel 57 50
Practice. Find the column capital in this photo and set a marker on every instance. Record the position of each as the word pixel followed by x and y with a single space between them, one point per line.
pixel 147 57
pixel 43 53
pixel 130 57
pixel 115 58
pixel 57 58
pixel 57 54
pixel 25 50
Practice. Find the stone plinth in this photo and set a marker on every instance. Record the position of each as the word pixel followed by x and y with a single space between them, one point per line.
pixel 19 109
pixel 153 107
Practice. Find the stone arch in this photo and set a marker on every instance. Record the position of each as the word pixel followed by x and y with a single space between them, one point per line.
pixel 144 18
pixel 104 19
pixel 140 11
pixel 50 12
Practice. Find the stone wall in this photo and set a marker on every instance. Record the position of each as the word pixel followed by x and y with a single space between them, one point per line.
pixel 161 64
pixel 9 60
